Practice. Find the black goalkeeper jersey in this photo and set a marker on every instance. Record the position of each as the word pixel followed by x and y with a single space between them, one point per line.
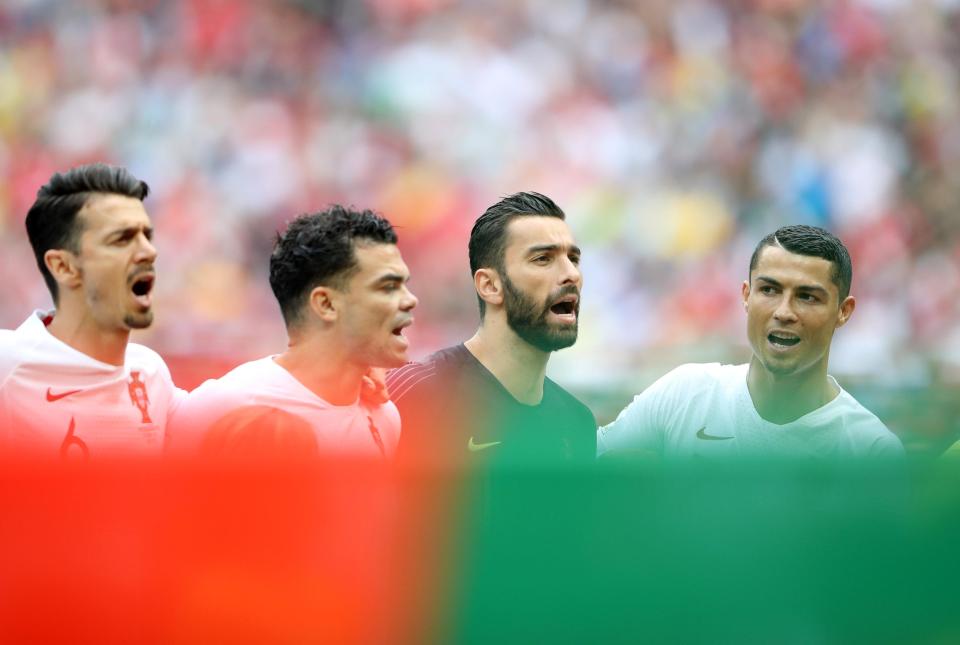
pixel 453 410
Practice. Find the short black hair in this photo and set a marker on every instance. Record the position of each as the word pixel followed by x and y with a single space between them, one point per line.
pixel 318 249
pixel 815 242
pixel 52 220
pixel 488 239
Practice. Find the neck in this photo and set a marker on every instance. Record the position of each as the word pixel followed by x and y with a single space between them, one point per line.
pixel 781 399
pixel 323 369
pixel 82 333
pixel 520 367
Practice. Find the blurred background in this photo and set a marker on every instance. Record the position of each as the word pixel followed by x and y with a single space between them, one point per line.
pixel 675 134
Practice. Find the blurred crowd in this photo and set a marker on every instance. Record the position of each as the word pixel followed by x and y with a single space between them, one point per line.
pixel 675 134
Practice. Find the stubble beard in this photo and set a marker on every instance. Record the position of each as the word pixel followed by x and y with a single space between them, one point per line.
pixel 138 321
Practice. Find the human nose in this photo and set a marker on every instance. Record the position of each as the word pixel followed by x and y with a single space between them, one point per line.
pixel 571 273
pixel 409 301
pixel 146 251
pixel 784 311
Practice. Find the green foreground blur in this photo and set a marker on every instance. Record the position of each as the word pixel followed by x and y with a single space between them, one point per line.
pixel 743 552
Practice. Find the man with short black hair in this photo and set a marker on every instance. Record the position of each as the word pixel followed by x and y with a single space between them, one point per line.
pixel 489 399
pixel 70 382
pixel 342 289
pixel 783 403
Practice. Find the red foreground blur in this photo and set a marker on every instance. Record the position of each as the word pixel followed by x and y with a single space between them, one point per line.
pixel 179 552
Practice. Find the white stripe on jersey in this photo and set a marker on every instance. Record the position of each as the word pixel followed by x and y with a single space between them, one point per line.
pixel 403 379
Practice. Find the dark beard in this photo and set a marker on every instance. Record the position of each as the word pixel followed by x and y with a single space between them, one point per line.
pixel 529 320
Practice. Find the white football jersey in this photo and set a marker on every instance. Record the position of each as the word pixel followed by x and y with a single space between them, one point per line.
pixel 354 429
pixel 705 410
pixel 57 401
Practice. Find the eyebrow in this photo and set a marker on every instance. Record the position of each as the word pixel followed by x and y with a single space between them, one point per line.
pixel 803 287
pixel 392 277
pixel 551 247
pixel 130 230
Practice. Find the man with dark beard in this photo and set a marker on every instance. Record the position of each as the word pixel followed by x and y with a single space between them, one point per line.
pixel 488 399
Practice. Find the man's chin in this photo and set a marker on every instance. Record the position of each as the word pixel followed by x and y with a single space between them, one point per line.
pixel 139 321
pixel 552 340
pixel 778 368
pixel 389 361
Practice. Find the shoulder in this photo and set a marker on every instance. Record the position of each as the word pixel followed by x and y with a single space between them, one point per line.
pixel 253 374
pixel 30 333
pixel 386 414
pixel 709 372
pixel 9 356
pixel 568 400
pixel 28 342
pixel 140 357
pixel 8 342
pixel 677 388
pixel 261 369
pixel 143 356
pixel 863 424
pixel 410 378
pixel 210 400
pixel 698 376
pixel 155 374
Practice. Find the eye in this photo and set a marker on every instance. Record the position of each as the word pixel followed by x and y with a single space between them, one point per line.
pixel 541 259
pixel 766 290
pixel 808 297
pixel 575 259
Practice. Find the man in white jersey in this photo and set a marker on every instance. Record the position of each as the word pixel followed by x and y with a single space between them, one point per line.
pixel 783 403
pixel 70 382
pixel 342 288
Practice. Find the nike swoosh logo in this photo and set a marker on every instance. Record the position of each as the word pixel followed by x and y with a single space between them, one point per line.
pixel 709 437
pixel 56 397
pixel 476 447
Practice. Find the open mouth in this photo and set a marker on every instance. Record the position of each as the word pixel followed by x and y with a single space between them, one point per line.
pixel 398 330
pixel 565 307
pixel 142 287
pixel 781 339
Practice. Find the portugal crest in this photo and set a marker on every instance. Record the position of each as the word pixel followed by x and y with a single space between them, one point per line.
pixel 138 395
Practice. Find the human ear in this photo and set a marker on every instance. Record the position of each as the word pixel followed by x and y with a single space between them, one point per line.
pixel 745 292
pixel 324 303
pixel 488 285
pixel 846 310
pixel 64 268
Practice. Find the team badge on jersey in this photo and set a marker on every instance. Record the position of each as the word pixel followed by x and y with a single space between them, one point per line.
pixel 138 395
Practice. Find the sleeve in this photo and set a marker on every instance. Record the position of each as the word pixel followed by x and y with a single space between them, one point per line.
pixel 586 435
pixel 641 426
pixel 412 390
pixel 8 355
pixel 887 445
pixel 414 423
pixel 193 414
pixel 177 395
pixel 390 425
pixel 8 363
